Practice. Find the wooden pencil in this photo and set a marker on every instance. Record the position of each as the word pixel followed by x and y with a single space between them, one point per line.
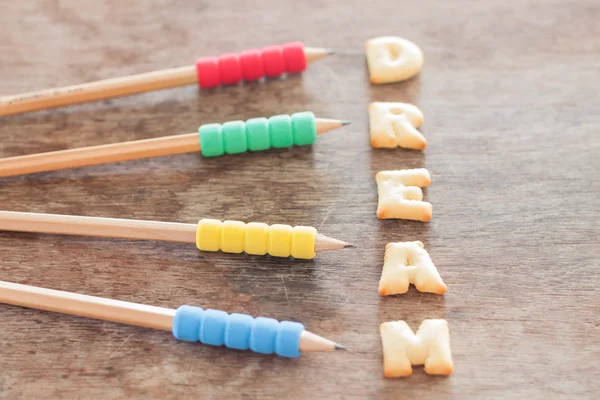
pixel 116 152
pixel 123 312
pixel 120 228
pixel 116 87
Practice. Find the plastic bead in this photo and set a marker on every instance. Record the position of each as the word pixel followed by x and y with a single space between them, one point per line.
pixel 233 234
pixel 273 61
pixel 287 340
pixel 256 238
pixel 294 56
pixel 208 73
pixel 252 65
pixel 230 69
pixel 234 137
pixel 208 235
pixel 304 128
pixel 212 328
pixel 280 128
pixel 211 140
pixel 280 240
pixel 238 331
pixel 258 136
pixel 262 337
pixel 187 323
pixel 303 242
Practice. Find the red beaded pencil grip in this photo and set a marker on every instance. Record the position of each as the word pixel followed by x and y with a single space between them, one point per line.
pixel 208 72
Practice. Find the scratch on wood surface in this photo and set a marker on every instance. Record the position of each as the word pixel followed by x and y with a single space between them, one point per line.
pixel 118 348
pixel 326 216
pixel 286 294
pixel 174 294
pixel 331 72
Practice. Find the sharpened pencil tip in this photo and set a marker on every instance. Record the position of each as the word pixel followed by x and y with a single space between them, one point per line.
pixel 346 123
pixel 330 51
pixel 339 347
pixel 349 246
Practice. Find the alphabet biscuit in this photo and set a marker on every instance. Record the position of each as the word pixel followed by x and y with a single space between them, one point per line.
pixel 406 263
pixel 392 59
pixel 395 125
pixel 402 349
pixel 400 194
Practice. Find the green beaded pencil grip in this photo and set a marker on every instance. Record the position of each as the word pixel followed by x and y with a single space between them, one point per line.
pixel 232 137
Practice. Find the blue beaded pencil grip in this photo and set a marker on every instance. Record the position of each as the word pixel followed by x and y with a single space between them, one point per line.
pixel 192 324
pixel 233 137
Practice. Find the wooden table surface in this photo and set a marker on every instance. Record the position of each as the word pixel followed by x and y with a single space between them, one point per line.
pixel 511 102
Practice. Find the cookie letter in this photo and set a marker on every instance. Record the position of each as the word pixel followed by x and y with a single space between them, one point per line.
pixel 400 195
pixel 395 124
pixel 405 263
pixel 392 59
pixel 429 347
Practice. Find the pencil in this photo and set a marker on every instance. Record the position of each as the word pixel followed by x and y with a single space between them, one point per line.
pixel 212 327
pixel 208 235
pixel 157 147
pixel 208 72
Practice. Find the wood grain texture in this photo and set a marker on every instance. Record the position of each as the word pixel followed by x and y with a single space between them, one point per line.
pixel 510 96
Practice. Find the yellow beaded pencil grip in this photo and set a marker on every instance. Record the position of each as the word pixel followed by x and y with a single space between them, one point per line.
pixel 300 242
